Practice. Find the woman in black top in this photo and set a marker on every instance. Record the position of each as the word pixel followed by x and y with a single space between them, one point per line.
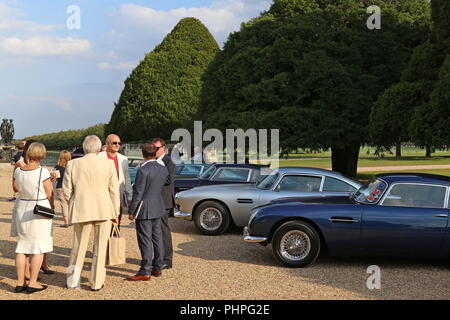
pixel 60 168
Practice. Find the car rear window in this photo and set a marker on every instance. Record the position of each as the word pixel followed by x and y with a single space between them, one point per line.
pixel 231 174
pixel 335 185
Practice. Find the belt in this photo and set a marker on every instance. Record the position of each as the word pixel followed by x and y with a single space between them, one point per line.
pixel 33 199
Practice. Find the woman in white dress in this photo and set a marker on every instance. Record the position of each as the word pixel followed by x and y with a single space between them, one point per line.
pixel 34 231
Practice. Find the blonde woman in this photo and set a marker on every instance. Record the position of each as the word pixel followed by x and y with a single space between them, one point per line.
pixel 64 157
pixel 35 232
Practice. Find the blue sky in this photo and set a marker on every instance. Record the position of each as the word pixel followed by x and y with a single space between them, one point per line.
pixel 53 78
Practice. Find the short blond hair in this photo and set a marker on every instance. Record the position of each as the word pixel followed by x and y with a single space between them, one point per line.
pixel 64 157
pixel 36 152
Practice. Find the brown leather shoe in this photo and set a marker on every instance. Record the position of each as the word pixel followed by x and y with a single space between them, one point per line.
pixel 139 277
pixel 156 273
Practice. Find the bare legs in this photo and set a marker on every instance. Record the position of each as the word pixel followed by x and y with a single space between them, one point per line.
pixel 21 267
pixel 34 267
pixel 44 262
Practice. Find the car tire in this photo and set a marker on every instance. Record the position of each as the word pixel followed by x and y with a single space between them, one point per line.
pixel 212 218
pixel 306 241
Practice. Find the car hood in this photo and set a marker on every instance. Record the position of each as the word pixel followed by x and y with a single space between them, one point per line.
pixel 344 199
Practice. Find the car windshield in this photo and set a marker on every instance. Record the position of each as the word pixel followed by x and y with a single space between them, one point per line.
pixel 269 181
pixel 208 173
pixel 371 192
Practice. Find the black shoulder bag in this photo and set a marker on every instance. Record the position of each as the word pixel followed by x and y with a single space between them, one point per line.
pixel 41 210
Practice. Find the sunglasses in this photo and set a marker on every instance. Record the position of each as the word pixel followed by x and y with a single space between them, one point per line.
pixel 116 143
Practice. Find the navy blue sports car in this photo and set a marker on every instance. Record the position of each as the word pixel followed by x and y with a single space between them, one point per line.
pixel 394 215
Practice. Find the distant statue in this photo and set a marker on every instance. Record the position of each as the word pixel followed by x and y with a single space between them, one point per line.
pixel 7 131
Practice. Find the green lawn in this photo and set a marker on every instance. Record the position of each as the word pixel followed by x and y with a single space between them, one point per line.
pixel 370 162
pixel 367 152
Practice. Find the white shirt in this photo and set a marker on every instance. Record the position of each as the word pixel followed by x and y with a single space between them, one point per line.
pixel 159 160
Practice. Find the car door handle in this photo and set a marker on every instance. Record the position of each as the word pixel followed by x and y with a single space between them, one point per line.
pixel 245 200
pixel 441 215
pixel 343 220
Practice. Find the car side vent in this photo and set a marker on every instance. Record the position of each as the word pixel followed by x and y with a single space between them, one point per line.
pixel 245 200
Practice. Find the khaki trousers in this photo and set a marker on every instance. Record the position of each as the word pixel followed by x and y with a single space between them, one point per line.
pixel 82 231
pixel 59 197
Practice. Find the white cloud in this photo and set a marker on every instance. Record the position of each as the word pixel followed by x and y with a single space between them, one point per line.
pixel 221 18
pixel 117 66
pixel 21 38
pixel 11 22
pixel 40 46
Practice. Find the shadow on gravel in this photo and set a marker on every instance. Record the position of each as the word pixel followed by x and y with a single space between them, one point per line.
pixel 5 199
pixel 59 257
pixel 6 220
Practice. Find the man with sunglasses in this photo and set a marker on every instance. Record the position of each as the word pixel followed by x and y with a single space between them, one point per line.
pixel 113 144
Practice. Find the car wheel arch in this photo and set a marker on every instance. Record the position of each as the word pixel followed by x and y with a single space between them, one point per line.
pixel 301 219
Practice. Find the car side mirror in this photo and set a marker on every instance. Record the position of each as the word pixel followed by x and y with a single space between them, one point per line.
pixel 277 188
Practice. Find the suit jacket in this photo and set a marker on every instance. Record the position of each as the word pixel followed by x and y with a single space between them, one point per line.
pixel 169 189
pixel 124 178
pixel 147 202
pixel 91 187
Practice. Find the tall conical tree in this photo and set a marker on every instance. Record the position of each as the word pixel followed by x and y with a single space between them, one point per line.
pixel 313 69
pixel 163 91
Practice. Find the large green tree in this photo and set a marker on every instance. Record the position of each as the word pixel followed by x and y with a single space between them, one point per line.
pixel 392 112
pixel 423 71
pixel 163 91
pixel 440 102
pixel 313 69
pixel 418 102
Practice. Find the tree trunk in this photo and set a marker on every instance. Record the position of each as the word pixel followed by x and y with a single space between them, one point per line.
pixel 345 160
pixel 428 151
pixel 398 149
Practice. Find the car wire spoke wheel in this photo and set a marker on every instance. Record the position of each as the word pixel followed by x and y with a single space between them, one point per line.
pixel 211 219
pixel 295 245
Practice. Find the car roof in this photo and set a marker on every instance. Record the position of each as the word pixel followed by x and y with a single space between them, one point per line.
pixel 308 170
pixel 318 171
pixel 414 177
pixel 192 163
pixel 240 165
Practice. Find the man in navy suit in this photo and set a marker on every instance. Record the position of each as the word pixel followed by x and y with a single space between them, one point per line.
pixel 168 194
pixel 147 207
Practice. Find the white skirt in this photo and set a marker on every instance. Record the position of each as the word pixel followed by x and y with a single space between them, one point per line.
pixel 34 231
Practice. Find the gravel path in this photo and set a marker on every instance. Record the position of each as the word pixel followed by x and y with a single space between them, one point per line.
pixel 223 267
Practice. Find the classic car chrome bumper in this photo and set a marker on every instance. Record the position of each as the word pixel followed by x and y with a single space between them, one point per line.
pixel 182 215
pixel 252 239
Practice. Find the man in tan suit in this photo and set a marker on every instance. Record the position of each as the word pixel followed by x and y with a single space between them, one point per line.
pixel 91 188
